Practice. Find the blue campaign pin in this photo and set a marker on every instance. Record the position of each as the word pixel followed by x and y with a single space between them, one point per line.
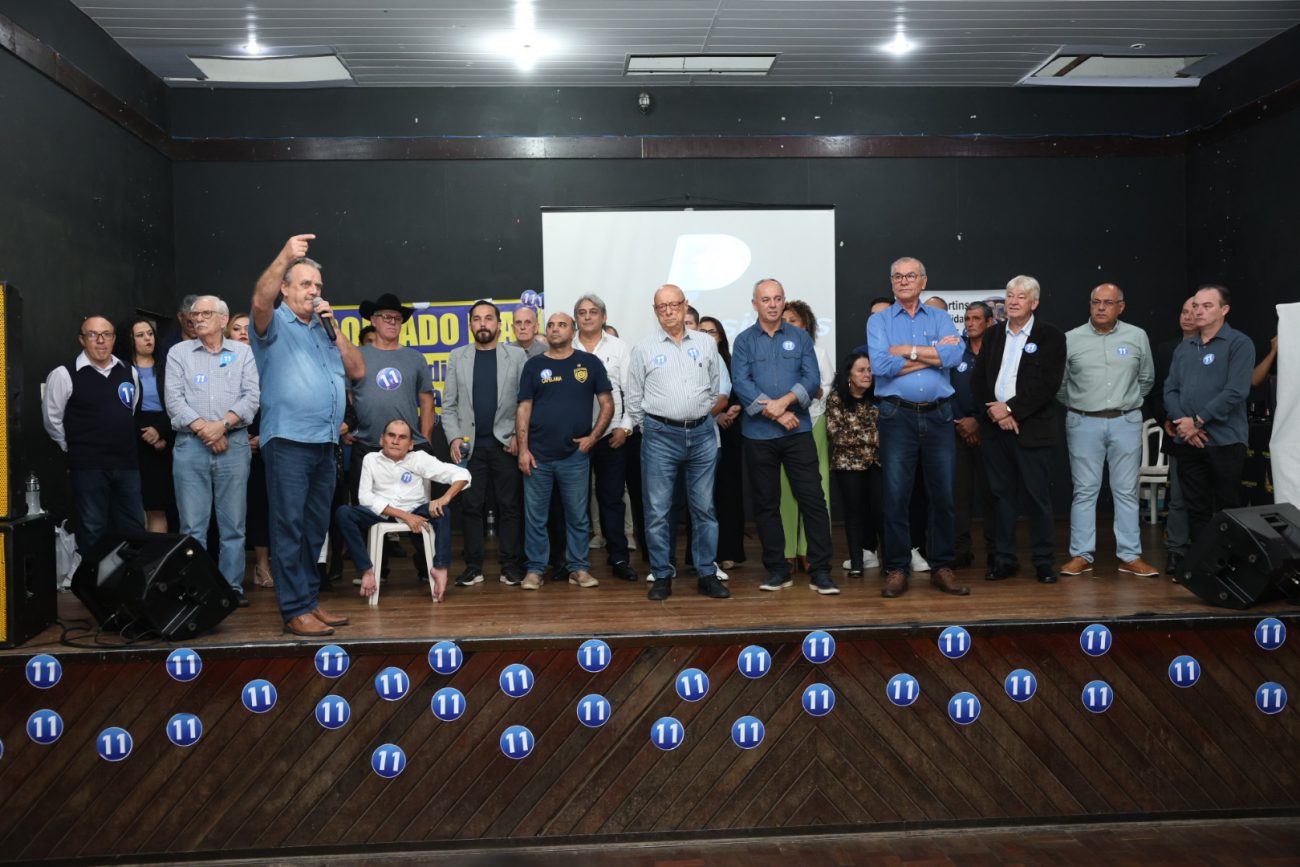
pixel 594 711
pixel 184 729
pixel 1095 640
pixel 787 345
pixel 259 695
pixel 114 744
pixel 516 680
pixel 818 647
pixel 1020 685
pixel 44 727
pixel 747 732
pixel 754 662
pixel 660 360
pixel 389 379
pixel 126 394
pixel 1208 359
pixel 392 684
pixel 388 761
pixel 517 742
pixel 448 704
pixel 184 664
pixel 964 708
pixel 407 478
pixel 818 699
pixel 692 684
pixel 903 689
pixel 954 642
pixel 1184 671
pixel 43 671
pixel 333 712
pixel 961 368
pixel 594 655
pixel 1098 696
pixel 1270 697
pixel 445 657
pixel 332 661
pixel 200 378
pixel 226 358
pixel 1031 348
pixel 1270 633
pixel 667 733
pixel 1121 351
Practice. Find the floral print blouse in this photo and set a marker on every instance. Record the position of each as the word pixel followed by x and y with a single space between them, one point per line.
pixel 853 433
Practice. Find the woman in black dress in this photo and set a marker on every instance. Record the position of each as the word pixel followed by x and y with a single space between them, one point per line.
pixel 729 508
pixel 135 346
pixel 257 532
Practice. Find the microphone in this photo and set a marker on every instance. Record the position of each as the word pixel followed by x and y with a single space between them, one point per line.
pixel 327 324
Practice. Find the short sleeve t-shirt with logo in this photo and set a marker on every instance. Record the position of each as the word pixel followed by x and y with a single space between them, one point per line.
pixel 561 390
pixel 390 388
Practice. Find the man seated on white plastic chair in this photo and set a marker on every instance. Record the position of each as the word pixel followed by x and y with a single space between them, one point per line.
pixel 392 487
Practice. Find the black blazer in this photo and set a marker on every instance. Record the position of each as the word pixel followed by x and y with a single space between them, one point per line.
pixel 1037 381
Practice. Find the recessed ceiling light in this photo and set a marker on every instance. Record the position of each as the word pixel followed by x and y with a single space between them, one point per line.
pixel 252 46
pixel 1138 46
pixel 899 45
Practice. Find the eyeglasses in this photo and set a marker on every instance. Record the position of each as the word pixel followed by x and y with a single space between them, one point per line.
pixel 669 305
pixel 98 335
pixel 204 314
pixel 909 277
pixel 386 317
pixel 1105 302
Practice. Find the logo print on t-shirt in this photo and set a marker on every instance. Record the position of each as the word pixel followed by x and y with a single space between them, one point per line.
pixel 1031 348
pixel 1208 359
pixel 406 477
pixel 389 379
pixel 580 373
pixel 788 345
pixel 126 394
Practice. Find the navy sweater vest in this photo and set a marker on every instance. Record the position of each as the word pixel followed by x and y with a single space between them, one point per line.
pixel 99 420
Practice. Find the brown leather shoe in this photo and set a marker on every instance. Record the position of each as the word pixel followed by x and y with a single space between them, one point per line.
pixel 1139 567
pixel 307 626
pixel 895 583
pixel 328 619
pixel 943 580
pixel 1076 566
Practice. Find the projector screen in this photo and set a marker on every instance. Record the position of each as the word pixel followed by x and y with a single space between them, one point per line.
pixel 714 254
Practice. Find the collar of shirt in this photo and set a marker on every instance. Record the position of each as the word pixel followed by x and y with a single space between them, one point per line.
pixel 83 360
pixel 226 344
pixel 1026 331
pixel 1115 329
pixel 1224 331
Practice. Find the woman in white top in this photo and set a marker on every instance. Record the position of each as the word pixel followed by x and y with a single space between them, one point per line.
pixel 796 542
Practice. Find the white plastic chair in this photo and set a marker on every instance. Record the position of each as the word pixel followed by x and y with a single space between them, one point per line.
pixel 375 542
pixel 1153 476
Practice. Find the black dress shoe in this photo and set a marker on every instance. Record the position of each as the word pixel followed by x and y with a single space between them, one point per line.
pixel 961 561
pixel 1174 565
pixel 1046 574
pixel 1000 573
pixel 711 587
pixel 625 571
pixel 243 601
pixel 660 590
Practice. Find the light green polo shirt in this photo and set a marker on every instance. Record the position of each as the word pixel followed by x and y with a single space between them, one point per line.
pixel 1106 371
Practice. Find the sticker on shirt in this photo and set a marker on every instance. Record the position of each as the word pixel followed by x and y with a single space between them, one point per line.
pixel 389 379
pixel 693 353
pixel 126 394
pixel 1208 359
pixel 580 373
pixel 1122 351
pixel 407 477
pixel 788 345
pixel 961 368
pixel 200 378
pixel 1031 348
pixel 661 360
pixel 226 358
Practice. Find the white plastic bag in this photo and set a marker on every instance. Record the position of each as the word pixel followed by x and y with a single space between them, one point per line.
pixel 66 558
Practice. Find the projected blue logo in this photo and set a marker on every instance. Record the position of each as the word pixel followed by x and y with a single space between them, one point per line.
pixel 964 708
pixel 692 684
pixel 114 744
pixel 43 671
pixel 517 742
pixel 448 704
pixel 333 712
pixel 388 761
pixel 184 729
pixel 259 696
pixel 954 642
pixel 445 657
pixel 516 680
pixel 1098 696
pixel 818 699
pixel 1184 671
pixel 1020 685
pixel 392 684
pixel 1095 640
pixel 667 733
pixel 332 661
pixel 594 711
pixel 903 690
pixel 594 655
pixel 747 732
pixel 754 662
pixel 184 664
pixel 1270 697
pixel 818 647
pixel 1270 633
pixel 44 727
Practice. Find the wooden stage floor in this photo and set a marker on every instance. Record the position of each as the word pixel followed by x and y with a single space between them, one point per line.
pixel 493 614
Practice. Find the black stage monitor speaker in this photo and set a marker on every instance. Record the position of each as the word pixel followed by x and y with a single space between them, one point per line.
pixel 28 599
pixel 1246 556
pixel 12 469
pixel 158 583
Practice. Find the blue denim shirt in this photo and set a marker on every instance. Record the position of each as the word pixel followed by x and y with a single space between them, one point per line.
pixel 302 380
pixel 764 368
pixel 892 327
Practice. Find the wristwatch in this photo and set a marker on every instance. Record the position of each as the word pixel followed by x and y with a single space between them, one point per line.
pixel 913 355
pixel 229 426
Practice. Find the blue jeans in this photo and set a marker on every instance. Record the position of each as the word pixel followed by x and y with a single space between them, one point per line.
pixel 665 451
pixel 571 475
pixel 905 438
pixel 204 480
pixel 354 521
pixel 105 497
pixel 1095 443
pixel 300 479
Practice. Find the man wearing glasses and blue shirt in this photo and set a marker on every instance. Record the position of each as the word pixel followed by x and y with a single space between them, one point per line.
pixel 912 348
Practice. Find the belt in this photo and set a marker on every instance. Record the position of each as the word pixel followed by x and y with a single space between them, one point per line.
pixel 672 422
pixel 914 407
pixel 1099 413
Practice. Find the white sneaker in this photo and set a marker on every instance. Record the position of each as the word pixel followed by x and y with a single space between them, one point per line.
pixel 870 560
pixel 846 565
pixel 722 576
pixel 597 541
pixel 918 562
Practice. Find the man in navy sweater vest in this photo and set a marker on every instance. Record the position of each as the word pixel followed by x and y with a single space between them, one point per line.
pixel 89 410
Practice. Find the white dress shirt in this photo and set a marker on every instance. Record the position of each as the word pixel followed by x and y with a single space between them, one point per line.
pixel 613 353
pixel 400 484
pixel 58 388
pixel 1005 387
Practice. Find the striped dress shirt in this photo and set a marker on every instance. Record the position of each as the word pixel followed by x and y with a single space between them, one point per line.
pixel 671 380
pixel 206 385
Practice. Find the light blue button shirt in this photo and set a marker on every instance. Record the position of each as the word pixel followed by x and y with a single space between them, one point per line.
pixel 302 380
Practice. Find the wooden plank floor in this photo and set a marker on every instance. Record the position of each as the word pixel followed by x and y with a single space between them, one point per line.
pixel 619 609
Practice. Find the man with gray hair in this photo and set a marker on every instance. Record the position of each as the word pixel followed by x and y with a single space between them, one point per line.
pixel 1108 372
pixel 212 393
pixel 1017 376
pixel 526 336
pixel 609 457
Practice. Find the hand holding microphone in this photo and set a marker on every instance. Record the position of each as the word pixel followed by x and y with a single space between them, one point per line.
pixel 326 318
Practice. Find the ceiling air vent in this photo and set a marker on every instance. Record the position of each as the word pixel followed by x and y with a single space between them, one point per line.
pixel 699 64
pixel 1088 69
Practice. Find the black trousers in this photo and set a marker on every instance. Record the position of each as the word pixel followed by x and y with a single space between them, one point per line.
pixel 632 476
pixel 971 482
pixel 1016 471
pixel 493 469
pixel 861 495
pixel 1210 479
pixel 609 466
pixel 798 455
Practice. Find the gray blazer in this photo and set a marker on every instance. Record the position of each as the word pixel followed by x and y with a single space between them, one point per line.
pixel 458 392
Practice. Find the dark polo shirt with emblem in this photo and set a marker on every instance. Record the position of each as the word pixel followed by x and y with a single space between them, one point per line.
pixel 561 390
